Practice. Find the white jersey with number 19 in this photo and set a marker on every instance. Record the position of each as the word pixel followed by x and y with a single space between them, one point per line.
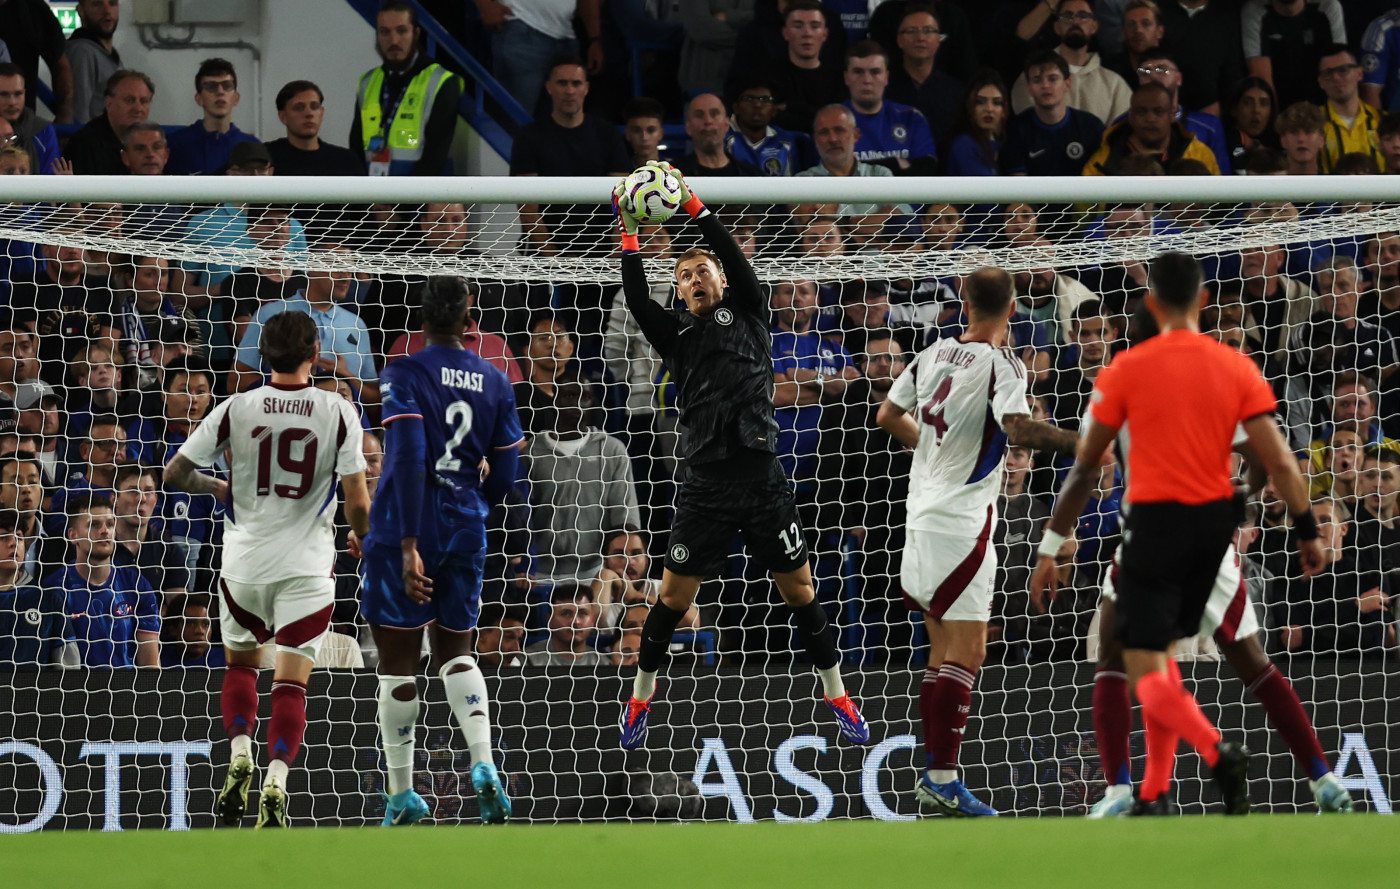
pixel 288 445
pixel 959 393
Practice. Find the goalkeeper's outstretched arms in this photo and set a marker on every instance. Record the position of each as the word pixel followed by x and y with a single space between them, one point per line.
pixel 744 288
pixel 659 326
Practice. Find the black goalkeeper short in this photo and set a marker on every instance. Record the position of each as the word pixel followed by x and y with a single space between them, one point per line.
pixel 710 511
pixel 1171 555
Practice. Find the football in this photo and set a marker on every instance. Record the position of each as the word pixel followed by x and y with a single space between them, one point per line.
pixel 653 194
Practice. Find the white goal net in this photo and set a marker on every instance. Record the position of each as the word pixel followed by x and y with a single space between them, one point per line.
pixel 134 305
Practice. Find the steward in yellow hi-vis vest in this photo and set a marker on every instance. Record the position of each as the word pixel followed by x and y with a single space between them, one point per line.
pixel 406 109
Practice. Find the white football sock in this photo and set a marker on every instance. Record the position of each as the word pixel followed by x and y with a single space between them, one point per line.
pixel 466 694
pixel 644 685
pixel 276 774
pixel 240 744
pixel 832 685
pixel 942 776
pixel 398 722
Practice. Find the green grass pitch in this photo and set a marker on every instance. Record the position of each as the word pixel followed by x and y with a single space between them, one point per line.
pixel 1265 851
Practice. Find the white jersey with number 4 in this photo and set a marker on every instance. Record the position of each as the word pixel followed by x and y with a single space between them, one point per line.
pixel 959 393
pixel 287 447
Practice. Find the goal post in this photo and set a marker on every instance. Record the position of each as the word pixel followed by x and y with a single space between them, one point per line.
pixel 1303 274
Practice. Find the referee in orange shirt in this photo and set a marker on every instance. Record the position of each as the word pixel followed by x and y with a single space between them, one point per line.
pixel 1182 395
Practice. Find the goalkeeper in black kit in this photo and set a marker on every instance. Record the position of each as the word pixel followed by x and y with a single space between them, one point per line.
pixel 720 357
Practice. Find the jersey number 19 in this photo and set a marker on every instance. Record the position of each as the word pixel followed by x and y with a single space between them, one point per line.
pixel 304 466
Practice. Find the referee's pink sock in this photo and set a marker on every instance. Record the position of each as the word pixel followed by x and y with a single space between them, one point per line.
pixel 950 702
pixel 1113 720
pixel 238 701
pixel 1167 702
pixel 1291 721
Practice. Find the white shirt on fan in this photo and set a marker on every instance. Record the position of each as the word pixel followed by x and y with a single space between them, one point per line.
pixel 553 18
pixel 288 446
pixel 959 393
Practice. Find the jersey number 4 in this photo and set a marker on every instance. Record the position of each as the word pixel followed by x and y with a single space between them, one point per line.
pixel 933 409
pixel 459 419
pixel 304 466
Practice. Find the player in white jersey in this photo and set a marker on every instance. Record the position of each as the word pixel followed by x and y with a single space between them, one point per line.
pixel 287 442
pixel 1229 619
pixel 967 397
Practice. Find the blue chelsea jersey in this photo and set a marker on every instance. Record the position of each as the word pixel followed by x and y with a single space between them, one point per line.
pixel 468 410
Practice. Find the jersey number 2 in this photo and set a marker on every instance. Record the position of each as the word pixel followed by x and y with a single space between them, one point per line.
pixel 304 466
pixel 933 409
pixel 459 417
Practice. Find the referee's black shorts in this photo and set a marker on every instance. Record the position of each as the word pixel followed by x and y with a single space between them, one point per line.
pixel 1171 554
pixel 711 510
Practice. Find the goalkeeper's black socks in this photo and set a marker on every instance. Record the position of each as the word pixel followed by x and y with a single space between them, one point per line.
pixel 816 633
pixel 661 622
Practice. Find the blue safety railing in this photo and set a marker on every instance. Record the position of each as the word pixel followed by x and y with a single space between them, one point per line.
pixel 499 134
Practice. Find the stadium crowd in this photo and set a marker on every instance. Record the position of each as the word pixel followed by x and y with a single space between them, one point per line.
pixel 108 361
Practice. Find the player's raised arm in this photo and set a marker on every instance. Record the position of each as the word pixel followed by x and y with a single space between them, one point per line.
pixel 658 326
pixel 202 449
pixel 744 288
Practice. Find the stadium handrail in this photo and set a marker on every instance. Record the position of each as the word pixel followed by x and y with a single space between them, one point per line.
pixel 715 190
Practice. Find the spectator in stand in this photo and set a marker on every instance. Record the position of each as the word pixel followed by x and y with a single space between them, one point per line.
pixel 203 147
pixel 145 151
pixel 915 80
pixel 1205 34
pixel 764 40
pixel 114 612
pixel 836 135
pixel 490 346
pixel 1050 138
pixel 1357 344
pixel 958 55
pixel 1276 303
pixel 976 135
pixel 1388 134
pixel 1352 412
pixel 500 634
pixel 1047 295
pixel 1376 534
pixel 802 81
pixel 70 310
pixel 1093 88
pixel 390 308
pixel 32 133
pixel 1161 67
pixel 91 56
pixel 1142 33
pixel 1295 33
pixel 548 359
pixel 345 342
pixel 99 453
pixel 99 389
pixel 571 626
pixel 1016 537
pixel 18 363
pixel 42 419
pixel 527 37
pixel 707 125
pixel 1343 610
pixel 754 140
pixel 1302 135
pixel 864 309
pixel 1248 120
pixel 1092 333
pixel 567 142
pixel 30 30
pixel 185 634
pixel 1381 301
pixel 22 492
pixel 302 152
pixel 34 627
pixel 405 109
pixel 1380 59
pixel 711 33
pixel 808 370
pixel 580 488
pixel 1351 123
pixel 96 149
pixel 863 478
pixel 891 134
pixel 140 543
pixel 1149 129
pixel 642 129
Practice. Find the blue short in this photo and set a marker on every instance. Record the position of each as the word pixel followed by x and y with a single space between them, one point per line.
pixel 456 598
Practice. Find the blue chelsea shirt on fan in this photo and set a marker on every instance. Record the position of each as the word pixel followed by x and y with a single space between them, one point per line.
pixel 895 131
